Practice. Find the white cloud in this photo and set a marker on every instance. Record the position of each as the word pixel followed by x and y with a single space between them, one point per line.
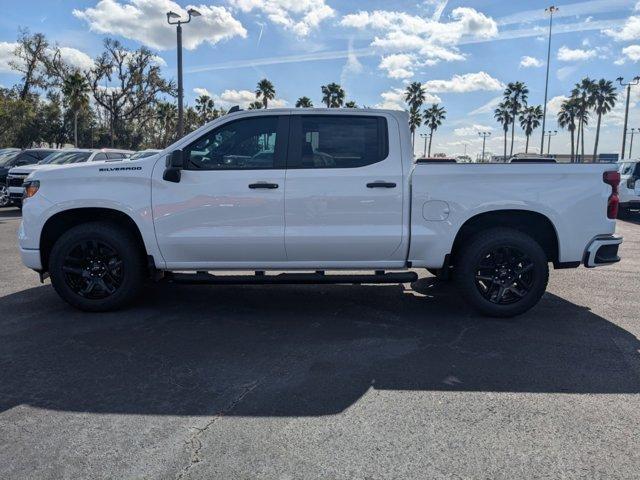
pixel 6 55
pixel 468 82
pixel 553 105
pixel 399 65
pixel 488 107
pixel 530 62
pixel 243 98
pixel 471 131
pixel 628 32
pixel 566 54
pixel 565 72
pixel 403 33
pixel 299 16
pixel 394 99
pixel 146 22
pixel 632 52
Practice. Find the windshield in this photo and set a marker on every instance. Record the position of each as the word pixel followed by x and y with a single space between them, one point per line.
pixel 7 157
pixel 138 155
pixel 63 158
pixel 626 168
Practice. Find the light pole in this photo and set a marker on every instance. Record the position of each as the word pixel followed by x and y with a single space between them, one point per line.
pixel 484 136
pixel 425 136
pixel 550 10
pixel 633 130
pixel 635 81
pixel 176 21
pixel 550 133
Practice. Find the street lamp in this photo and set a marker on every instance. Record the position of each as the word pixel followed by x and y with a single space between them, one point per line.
pixel 635 81
pixel 425 136
pixel 632 132
pixel 550 10
pixel 484 136
pixel 174 19
pixel 550 133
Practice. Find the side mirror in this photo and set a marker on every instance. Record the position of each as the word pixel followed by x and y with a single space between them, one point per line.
pixel 173 166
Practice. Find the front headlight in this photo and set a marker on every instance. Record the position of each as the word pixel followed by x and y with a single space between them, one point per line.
pixel 31 187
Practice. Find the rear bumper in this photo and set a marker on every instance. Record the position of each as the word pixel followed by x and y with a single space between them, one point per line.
pixel 603 250
pixel 31 258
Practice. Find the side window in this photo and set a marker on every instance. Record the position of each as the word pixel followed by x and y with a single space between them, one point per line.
pixel 246 144
pixel 115 156
pixel 25 159
pixel 99 156
pixel 340 141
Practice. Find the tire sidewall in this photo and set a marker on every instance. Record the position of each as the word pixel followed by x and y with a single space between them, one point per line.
pixel 478 247
pixel 116 238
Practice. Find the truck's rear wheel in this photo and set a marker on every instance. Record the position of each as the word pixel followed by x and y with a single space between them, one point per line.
pixel 502 272
pixel 96 267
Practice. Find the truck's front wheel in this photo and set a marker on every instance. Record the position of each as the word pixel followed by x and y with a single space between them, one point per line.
pixel 96 267
pixel 502 272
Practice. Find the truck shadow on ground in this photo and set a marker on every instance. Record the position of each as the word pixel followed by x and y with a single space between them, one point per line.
pixel 296 350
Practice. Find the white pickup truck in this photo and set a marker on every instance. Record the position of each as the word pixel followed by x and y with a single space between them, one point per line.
pixel 306 192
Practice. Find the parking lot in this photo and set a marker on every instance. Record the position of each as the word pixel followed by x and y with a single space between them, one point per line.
pixel 295 382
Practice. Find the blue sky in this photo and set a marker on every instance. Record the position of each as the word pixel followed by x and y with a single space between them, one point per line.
pixel 464 51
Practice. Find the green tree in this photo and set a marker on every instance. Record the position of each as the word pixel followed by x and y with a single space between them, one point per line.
pixel 167 119
pixel 415 120
pixel 333 95
pixel 583 93
pixel 304 102
pixel 567 119
pixel 503 115
pixel 28 60
pixel 255 106
pixel 515 95
pixel 350 104
pixel 604 99
pixel 433 117
pixel 51 121
pixel 205 107
pixel 530 120
pixel 74 90
pixel 266 90
pixel 415 95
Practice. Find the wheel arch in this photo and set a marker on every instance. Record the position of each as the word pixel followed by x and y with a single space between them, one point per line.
pixel 60 222
pixel 537 225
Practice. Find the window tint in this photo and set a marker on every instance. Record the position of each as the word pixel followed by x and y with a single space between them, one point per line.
pixel 244 144
pixel 100 156
pixel 25 158
pixel 115 156
pixel 343 141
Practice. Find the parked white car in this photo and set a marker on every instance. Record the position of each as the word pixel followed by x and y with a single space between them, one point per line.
pixel 144 153
pixel 17 175
pixel 629 185
pixel 312 190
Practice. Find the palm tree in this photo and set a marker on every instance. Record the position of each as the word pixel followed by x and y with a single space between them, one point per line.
pixel 256 105
pixel 583 92
pixel 304 102
pixel 415 95
pixel 332 95
pixel 350 104
pixel 166 114
pixel 205 107
pixel 530 120
pixel 503 115
pixel 433 117
pixel 266 90
pixel 415 120
pixel 567 119
pixel 604 99
pixel 515 95
pixel 74 89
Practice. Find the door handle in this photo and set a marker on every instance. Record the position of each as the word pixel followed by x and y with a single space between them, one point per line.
pixel 381 185
pixel 269 186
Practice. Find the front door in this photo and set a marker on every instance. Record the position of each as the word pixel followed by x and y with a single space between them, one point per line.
pixel 228 208
pixel 344 191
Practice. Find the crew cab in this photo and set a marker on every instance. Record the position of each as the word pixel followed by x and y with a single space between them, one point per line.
pixel 629 186
pixel 308 192
pixel 17 175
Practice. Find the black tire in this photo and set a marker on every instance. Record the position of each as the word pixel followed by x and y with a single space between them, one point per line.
pixel 98 253
pixel 502 272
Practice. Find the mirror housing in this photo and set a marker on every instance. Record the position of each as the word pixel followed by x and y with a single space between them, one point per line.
pixel 173 166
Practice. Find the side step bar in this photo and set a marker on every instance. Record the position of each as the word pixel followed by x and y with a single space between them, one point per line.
pixel 204 278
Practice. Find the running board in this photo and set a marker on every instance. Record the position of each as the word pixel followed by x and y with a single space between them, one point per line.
pixel 260 278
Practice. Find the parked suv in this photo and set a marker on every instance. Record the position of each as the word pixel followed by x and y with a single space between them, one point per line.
pixel 17 175
pixel 17 158
pixel 629 186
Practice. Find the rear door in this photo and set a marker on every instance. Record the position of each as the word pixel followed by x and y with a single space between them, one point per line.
pixel 344 191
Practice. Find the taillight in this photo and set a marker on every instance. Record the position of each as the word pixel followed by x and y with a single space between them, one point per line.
pixel 613 179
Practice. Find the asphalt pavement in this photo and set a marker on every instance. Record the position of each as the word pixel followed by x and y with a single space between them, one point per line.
pixel 340 382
